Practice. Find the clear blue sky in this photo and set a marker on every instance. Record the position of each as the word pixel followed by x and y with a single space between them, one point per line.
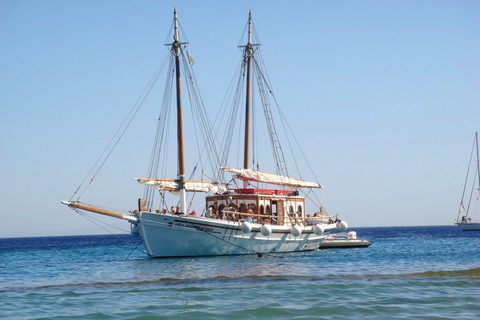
pixel 386 94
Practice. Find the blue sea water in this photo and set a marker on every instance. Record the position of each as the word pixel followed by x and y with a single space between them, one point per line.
pixel 407 273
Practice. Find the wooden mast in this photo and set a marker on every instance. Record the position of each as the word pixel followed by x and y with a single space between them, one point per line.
pixel 78 205
pixel 248 52
pixel 176 50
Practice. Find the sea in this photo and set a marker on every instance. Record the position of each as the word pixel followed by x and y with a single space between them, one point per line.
pixel 407 273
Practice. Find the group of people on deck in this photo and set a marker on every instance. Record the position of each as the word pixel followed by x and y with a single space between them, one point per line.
pixel 225 213
pixel 174 211
pixel 234 212
pixel 249 215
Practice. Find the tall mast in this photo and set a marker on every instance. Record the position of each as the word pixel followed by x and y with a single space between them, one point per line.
pixel 478 160
pixel 248 53
pixel 176 50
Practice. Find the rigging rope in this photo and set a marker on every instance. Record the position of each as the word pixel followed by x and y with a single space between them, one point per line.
pixel 201 127
pixel 119 133
pixel 466 182
pixel 91 219
pixel 136 249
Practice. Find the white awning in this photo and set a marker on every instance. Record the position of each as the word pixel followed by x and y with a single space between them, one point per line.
pixel 190 185
pixel 252 175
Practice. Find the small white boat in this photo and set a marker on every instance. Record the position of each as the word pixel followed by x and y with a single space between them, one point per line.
pixel 471 199
pixel 344 240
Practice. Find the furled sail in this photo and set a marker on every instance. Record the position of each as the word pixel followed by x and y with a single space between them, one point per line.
pixel 190 185
pixel 252 175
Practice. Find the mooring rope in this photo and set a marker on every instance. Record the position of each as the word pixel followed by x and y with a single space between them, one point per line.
pixel 93 220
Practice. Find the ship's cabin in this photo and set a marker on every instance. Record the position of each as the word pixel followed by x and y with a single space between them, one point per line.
pixel 268 206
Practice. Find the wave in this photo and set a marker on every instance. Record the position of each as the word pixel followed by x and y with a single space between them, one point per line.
pixel 443 274
pixel 468 274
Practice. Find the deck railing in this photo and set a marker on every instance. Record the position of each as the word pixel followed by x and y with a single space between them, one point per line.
pixel 289 219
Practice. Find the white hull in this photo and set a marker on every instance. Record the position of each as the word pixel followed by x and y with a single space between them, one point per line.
pixel 177 236
pixel 344 240
pixel 469 226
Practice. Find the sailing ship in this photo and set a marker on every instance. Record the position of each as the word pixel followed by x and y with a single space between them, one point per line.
pixel 253 212
pixel 470 202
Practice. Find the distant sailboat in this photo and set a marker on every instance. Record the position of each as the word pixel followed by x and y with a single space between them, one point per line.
pixel 236 220
pixel 467 218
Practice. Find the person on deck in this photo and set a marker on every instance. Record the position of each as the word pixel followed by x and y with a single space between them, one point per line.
pixel 194 213
pixel 249 212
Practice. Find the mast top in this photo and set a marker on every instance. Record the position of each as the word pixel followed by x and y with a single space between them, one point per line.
pixel 248 48
pixel 250 28
pixel 176 45
pixel 175 36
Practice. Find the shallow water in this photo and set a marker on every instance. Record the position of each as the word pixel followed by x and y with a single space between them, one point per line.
pixel 407 273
